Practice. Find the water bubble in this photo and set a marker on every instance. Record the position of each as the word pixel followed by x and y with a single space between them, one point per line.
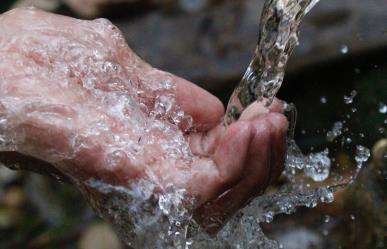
pixel 362 135
pixel 312 204
pixel 349 99
pixel 335 131
pixel 318 166
pixel 323 100
pixel 348 140
pixel 164 104
pixel 362 155
pixel 344 49
pixel 352 217
pixel 326 196
pixel 268 217
pixel 354 109
pixel 382 108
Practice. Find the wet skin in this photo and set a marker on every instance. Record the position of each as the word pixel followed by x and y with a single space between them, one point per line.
pixel 49 102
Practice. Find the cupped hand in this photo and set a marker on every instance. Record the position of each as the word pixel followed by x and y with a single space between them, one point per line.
pixel 72 94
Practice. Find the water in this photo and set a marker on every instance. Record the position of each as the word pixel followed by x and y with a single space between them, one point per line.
pixel 149 212
pixel 336 131
pixel 260 82
pixel 344 49
pixel 349 99
pixel 278 29
pixel 382 108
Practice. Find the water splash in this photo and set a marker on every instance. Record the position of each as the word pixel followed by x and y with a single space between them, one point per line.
pixel 382 108
pixel 337 130
pixel 349 99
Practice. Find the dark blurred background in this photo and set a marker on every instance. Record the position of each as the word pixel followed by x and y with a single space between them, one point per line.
pixel 343 47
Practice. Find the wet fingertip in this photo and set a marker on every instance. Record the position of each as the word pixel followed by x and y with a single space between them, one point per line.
pixel 253 111
pixel 277 106
pixel 279 121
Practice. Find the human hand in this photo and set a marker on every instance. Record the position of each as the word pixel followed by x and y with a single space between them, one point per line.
pixel 73 95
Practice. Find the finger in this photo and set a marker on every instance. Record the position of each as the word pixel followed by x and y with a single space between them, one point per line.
pixel 214 214
pixel 205 109
pixel 277 106
pixel 278 144
pixel 257 108
pixel 229 157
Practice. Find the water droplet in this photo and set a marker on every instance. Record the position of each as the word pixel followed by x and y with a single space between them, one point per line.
pixel 318 166
pixel 344 49
pixel 325 232
pixel 335 131
pixel 268 217
pixel 348 140
pixel 349 99
pixel 327 218
pixel 312 204
pixel 362 155
pixel 323 100
pixel 326 196
pixel 382 108
pixel 303 132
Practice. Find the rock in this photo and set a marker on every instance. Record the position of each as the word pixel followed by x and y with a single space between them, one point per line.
pixel 94 8
pixel 7 175
pixel 214 46
pixel 99 236
pixel 48 5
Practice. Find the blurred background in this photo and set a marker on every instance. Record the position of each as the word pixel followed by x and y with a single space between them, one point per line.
pixel 342 52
